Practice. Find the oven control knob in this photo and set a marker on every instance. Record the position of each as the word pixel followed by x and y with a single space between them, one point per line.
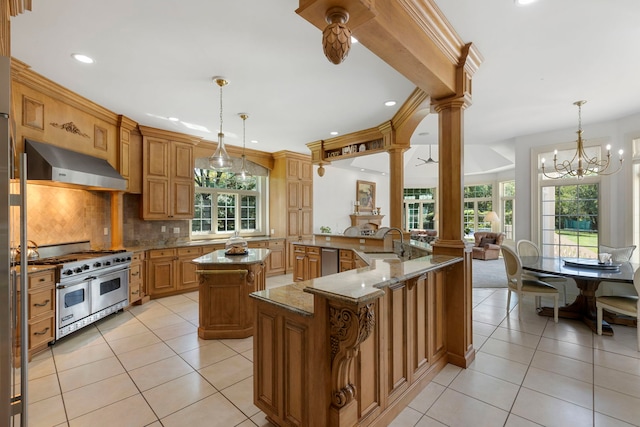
pixel 86 267
pixel 67 272
pixel 97 264
pixel 78 270
pixel 107 263
pixel 116 260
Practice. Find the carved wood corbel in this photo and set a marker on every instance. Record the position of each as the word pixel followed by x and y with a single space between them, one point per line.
pixel 349 327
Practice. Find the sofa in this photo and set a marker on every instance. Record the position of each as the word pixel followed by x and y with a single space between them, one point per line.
pixel 487 245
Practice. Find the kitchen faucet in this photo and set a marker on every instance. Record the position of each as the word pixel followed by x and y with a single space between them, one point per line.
pixel 401 238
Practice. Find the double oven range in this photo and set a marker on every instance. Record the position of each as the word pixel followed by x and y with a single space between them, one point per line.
pixel 89 286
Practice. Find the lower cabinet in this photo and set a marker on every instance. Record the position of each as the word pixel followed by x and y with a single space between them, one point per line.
pixel 346 260
pixel 276 263
pixel 307 262
pixel 137 293
pixel 171 271
pixel 41 302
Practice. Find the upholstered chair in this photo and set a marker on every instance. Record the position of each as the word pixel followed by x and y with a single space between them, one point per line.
pixel 626 305
pixel 487 245
pixel 526 248
pixel 622 254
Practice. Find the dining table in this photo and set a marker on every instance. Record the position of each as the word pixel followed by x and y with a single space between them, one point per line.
pixel 588 274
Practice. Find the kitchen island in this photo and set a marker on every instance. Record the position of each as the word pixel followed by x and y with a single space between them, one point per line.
pixel 352 348
pixel 225 282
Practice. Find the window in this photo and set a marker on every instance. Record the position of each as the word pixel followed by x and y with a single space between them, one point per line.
pixel 224 204
pixel 477 203
pixel 570 214
pixel 507 201
pixel 419 208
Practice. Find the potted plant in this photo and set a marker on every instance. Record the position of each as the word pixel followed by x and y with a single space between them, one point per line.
pixel 325 229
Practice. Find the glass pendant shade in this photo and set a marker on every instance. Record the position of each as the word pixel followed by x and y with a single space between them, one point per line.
pixel 244 172
pixel 220 159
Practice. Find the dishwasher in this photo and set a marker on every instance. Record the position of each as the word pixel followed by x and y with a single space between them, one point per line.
pixel 329 261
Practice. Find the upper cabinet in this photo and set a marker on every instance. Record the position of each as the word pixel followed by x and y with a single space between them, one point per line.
pixel 167 175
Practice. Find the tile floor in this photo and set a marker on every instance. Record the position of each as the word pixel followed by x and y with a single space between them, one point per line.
pixel 147 367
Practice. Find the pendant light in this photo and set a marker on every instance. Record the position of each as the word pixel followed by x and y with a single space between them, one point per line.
pixel 244 173
pixel 220 159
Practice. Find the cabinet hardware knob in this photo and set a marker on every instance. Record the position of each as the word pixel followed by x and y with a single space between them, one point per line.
pixel 44 331
pixel 135 292
pixel 42 304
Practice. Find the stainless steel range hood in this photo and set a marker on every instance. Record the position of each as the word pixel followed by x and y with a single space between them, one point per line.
pixel 59 166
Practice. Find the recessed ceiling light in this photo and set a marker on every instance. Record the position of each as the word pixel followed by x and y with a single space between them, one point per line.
pixel 82 58
pixel 361 170
pixel 254 141
pixel 334 133
pixel 390 103
pixel 383 173
pixel 173 119
pixel 524 2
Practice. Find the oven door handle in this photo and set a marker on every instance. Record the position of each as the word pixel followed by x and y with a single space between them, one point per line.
pixel 86 279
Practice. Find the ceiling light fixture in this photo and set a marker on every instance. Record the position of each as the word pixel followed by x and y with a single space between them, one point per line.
pixel 82 58
pixel 586 165
pixel 390 103
pixel 220 159
pixel 524 2
pixel 428 161
pixel 244 173
pixel 334 133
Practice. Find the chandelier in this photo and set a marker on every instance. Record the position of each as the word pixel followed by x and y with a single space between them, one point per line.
pixel 220 159
pixel 244 172
pixel 585 165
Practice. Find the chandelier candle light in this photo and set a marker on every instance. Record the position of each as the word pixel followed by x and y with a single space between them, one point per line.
pixel 586 165
pixel 220 159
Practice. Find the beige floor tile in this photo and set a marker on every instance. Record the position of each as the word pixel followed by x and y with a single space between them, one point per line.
pixel 228 372
pixel 423 401
pixel 516 337
pixel 619 381
pixel 489 314
pixel 478 340
pixel 530 323
pixel 239 345
pixel 133 342
pixel 559 386
pixel 513 352
pixel 602 420
pixel 573 331
pixel 447 374
pixel 81 356
pixel 617 405
pixel 408 417
pixel 213 411
pixel 549 411
pixel 42 365
pixel 427 421
pixel 248 354
pixel 184 306
pixel 97 395
pixel 155 424
pixel 194 296
pixel 562 348
pixel 457 410
pixel 207 355
pixel 563 366
pixel 499 367
pixel 163 321
pixel 616 361
pixel 177 394
pixel 486 388
pixel 121 318
pixel 176 330
pixel 145 355
pixel 43 388
pixel 157 373
pixel 187 342
pixel 241 395
pixel 132 412
pixel 260 420
pixel 172 301
pixel 516 421
pixel 483 328
pixel 623 341
pixel 47 412
pixel 83 375
pixel 87 336
pixel 148 310
pixel 246 423
pixel 131 329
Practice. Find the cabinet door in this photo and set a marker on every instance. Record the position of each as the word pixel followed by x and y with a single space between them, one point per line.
pixel 156 198
pixel 306 222
pixel 187 277
pixel 306 171
pixel 315 263
pixel 294 229
pixel 300 264
pixel 293 194
pixel 160 279
pixel 156 157
pixel 182 166
pixel 183 199
pixel 293 169
pixel 306 194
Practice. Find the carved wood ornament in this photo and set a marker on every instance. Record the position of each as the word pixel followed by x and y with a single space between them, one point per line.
pixel 347 331
pixel 71 128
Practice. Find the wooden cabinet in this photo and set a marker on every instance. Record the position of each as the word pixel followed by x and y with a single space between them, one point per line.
pixel 41 302
pixel 137 292
pixel 276 263
pixel 307 262
pixel 291 204
pixel 171 271
pixel 167 174
pixel 346 260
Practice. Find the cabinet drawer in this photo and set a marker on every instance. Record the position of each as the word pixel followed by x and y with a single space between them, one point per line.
pixel 41 279
pixel 299 249
pixel 137 257
pixel 346 254
pixel 160 253
pixel 189 251
pixel 276 244
pixel 41 332
pixel 258 244
pixel 134 273
pixel 41 301
pixel 313 250
pixel 134 291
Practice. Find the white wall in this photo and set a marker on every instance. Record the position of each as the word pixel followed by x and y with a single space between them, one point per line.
pixel 335 192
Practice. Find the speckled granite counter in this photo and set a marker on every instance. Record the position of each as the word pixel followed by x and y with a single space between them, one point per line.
pixel 220 258
pixel 354 286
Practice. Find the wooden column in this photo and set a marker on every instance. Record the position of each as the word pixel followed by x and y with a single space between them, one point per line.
pixel 451 187
pixel 117 220
pixel 396 186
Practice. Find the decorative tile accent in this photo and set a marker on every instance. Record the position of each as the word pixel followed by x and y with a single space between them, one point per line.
pixel 32 113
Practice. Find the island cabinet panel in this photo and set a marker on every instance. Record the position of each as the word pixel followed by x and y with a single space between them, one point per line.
pixel 397 298
pixel 266 361
pixel 307 262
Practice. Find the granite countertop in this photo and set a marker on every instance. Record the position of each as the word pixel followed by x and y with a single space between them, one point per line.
pixel 219 257
pixel 358 286
pixel 191 243
pixel 360 246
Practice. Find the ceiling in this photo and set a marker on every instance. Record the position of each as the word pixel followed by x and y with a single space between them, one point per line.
pixel 155 59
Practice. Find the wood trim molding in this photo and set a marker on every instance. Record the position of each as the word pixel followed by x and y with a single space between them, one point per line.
pixel 165 134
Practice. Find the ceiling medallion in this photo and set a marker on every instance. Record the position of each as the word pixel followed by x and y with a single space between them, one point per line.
pixel 336 37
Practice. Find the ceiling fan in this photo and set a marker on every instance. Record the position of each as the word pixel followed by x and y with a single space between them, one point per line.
pixel 428 161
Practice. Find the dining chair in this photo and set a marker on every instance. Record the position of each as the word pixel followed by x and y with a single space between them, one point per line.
pixel 621 254
pixel 526 248
pixel 626 305
pixel 354 230
pixel 523 286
